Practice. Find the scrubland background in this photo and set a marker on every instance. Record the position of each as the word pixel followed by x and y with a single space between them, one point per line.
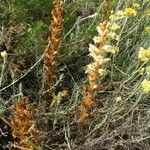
pixel 121 118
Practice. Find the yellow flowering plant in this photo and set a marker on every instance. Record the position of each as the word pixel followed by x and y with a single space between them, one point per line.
pixel 145 85
pixel 144 54
pixel 136 5
pixel 114 27
pixel 147 29
pixel 128 12
pixel 148 12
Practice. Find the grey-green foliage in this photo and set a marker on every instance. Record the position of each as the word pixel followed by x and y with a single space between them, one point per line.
pixel 79 26
pixel 31 10
pixel 35 16
pixel 34 38
pixel 133 37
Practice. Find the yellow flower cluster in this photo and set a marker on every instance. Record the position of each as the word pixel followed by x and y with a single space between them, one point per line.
pixel 136 5
pixel 127 12
pixel 147 29
pixel 114 36
pixel 148 12
pixel 141 71
pixel 130 12
pixel 148 71
pixel 118 15
pixel 114 27
pixel 144 54
pixel 145 84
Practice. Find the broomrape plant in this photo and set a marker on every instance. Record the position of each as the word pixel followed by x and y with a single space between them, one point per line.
pixel 52 49
pixel 23 126
pixel 96 68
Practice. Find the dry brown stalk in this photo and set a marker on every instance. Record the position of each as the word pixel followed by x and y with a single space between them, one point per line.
pixel 53 47
pixel 94 70
pixel 23 126
pixel 106 9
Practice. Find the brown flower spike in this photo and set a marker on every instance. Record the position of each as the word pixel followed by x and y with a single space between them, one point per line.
pixel 23 126
pixel 94 70
pixel 52 50
pixel 53 43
